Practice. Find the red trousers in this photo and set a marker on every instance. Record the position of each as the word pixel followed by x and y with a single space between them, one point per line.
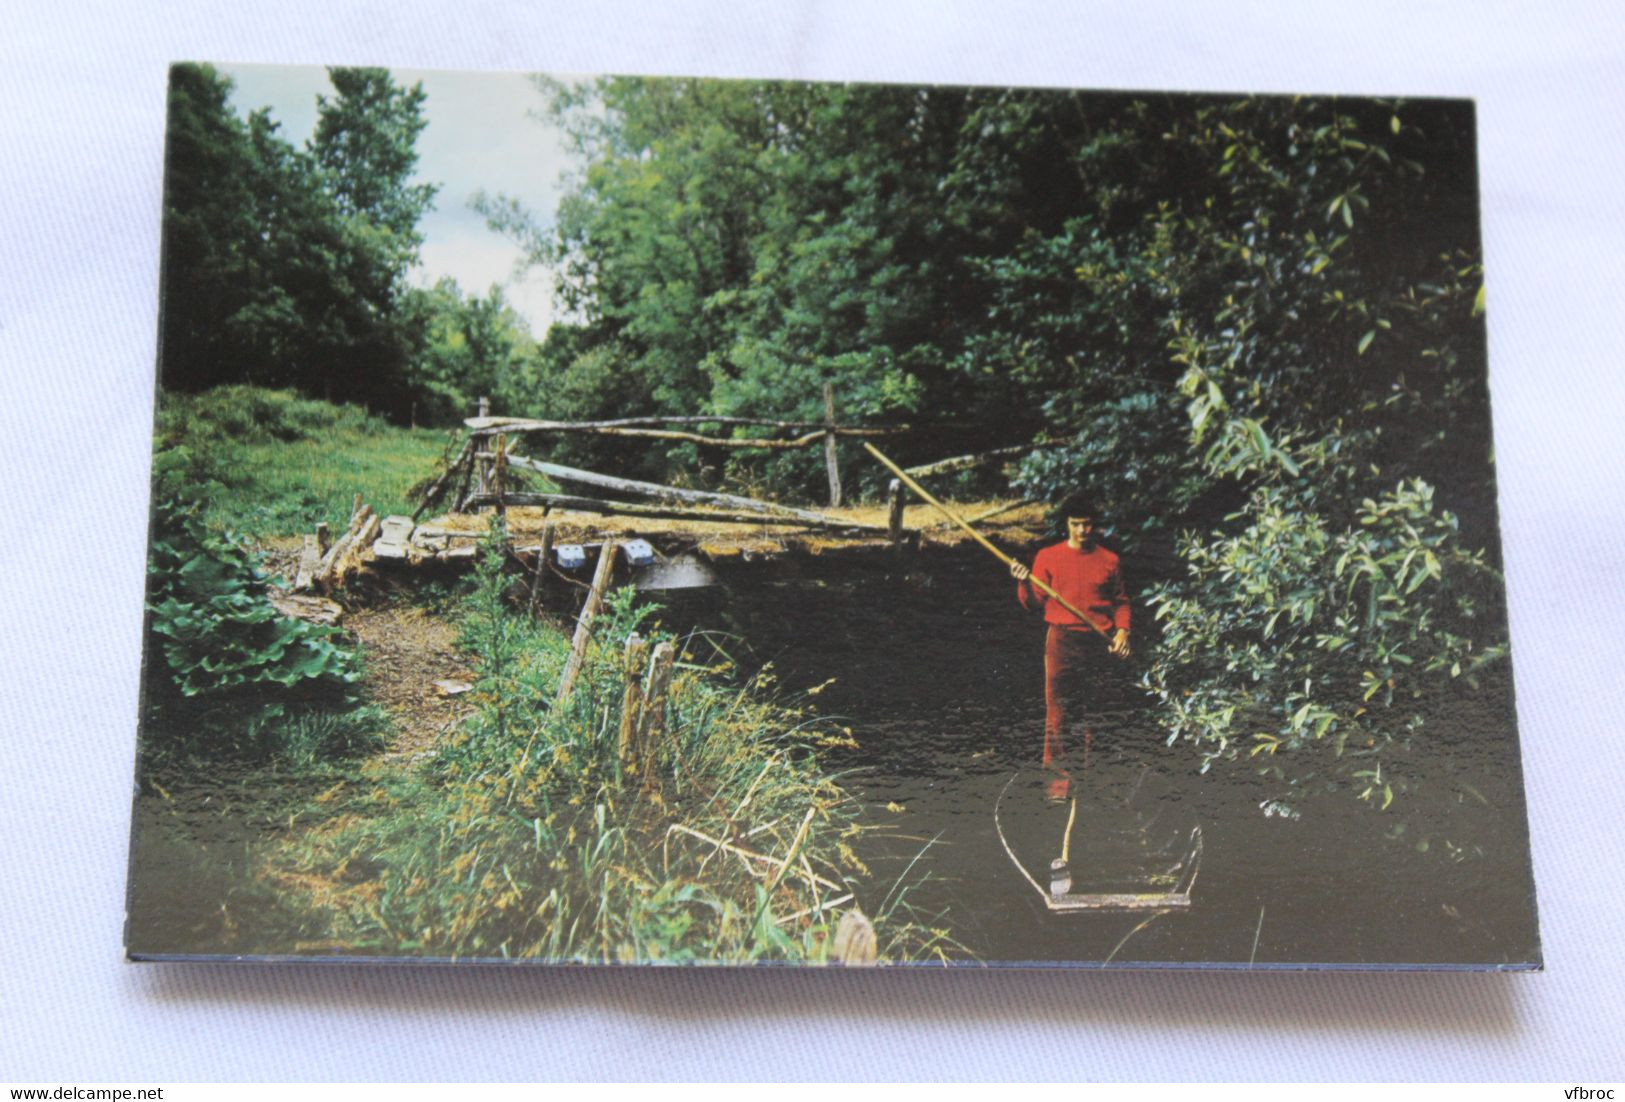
pixel 1074 663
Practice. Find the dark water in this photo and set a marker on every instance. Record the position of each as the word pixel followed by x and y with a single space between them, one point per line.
pixel 939 674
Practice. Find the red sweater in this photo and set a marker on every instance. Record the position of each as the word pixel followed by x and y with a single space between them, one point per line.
pixel 1088 579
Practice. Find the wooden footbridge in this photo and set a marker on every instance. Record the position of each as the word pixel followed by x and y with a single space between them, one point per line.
pixel 493 471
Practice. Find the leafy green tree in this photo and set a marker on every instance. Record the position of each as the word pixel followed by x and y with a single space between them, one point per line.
pixel 1319 653
pixel 467 347
pixel 285 267
pixel 366 144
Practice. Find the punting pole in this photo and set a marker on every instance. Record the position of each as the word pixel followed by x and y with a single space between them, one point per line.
pixel 978 537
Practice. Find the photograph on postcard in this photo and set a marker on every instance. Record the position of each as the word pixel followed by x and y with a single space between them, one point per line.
pixel 680 520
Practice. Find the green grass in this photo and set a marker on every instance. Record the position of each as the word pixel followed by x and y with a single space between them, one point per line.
pixel 270 463
pixel 529 836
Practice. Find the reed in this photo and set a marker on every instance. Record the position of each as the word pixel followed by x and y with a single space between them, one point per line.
pixel 528 835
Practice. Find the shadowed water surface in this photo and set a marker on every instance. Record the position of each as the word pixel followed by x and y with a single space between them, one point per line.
pixel 939 674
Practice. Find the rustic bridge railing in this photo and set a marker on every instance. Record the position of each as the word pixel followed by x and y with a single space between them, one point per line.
pixel 477 477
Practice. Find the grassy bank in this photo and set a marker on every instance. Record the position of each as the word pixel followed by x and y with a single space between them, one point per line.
pixel 530 835
pixel 270 463
pixel 529 831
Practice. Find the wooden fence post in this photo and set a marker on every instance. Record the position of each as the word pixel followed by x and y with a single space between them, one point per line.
pixel 469 462
pixel 652 721
pixel 497 464
pixel 483 466
pixel 310 560
pixel 854 941
pixel 589 609
pixel 632 699
pixel 830 462
pixel 539 581
pixel 894 518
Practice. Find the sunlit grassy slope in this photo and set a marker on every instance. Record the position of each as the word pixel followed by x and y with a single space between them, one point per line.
pixel 271 463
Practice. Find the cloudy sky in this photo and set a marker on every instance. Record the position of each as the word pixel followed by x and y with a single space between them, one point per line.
pixel 481 134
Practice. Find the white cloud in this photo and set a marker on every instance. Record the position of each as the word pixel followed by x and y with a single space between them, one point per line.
pixel 476 258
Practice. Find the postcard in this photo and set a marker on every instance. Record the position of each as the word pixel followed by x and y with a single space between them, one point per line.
pixel 621 520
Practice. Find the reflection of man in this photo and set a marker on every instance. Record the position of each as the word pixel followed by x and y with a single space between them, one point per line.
pixel 1086 575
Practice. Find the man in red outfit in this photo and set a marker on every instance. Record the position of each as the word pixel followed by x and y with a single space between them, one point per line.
pixel 1088 577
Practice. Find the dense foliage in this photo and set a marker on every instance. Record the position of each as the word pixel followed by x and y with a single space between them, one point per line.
pixel 227 675
pixel 1019 264
pixel 285 266
pixel 1251 326
pixel 1319 653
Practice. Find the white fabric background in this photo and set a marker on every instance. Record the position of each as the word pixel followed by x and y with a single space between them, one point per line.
pixel 81 102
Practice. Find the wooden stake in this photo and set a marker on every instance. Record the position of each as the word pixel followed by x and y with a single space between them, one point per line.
pixel 652 720
pixel 433 493
pixel 539 580
pixel 458 505
pixel 497 466
pixel 482 467
pixel 854 942
pixel 831 463
pixel 894 518
pixel 1044 587
pixel 310 558
pixel 637 648
pixel 589 609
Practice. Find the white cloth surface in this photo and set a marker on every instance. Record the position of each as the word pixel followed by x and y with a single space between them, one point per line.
pixel 81 115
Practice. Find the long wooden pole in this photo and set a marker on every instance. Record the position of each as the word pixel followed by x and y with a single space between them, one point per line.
pixel 635 509
pixel 560 473
pixel 589 609
pixel 524 424
pixel 1043 586
pixel 831 464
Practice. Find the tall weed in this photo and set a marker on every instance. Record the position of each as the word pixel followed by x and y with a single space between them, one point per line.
pixel 529 835
pixel 227 675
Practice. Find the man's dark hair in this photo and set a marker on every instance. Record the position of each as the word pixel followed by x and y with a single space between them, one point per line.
pixel 1076 505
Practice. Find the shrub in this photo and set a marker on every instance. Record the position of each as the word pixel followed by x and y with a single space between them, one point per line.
pixel 226 672
pixel 254 415
pixel 1315 653
pixel 530 836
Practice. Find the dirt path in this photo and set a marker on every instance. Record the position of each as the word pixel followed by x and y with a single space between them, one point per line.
pixel 407 650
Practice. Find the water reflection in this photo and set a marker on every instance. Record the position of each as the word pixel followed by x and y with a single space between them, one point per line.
pixel 939 674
